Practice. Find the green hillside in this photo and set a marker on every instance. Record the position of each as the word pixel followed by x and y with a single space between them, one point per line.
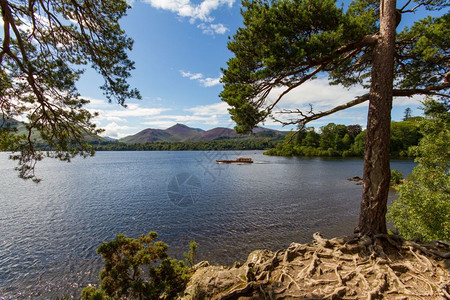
pixel 183 133
pixel 20 129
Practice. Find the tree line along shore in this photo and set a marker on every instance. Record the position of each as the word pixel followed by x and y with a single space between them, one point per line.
pixel 332 140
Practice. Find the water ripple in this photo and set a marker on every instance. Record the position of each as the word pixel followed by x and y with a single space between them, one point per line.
pixel 49 232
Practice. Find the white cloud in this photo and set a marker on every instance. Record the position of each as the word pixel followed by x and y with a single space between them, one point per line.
pixel 414 100
pixel 209 82
pixel 116 131
pixel 119 122
pixel 115 119
pixel 202 12
pixel 210 115
pixel 212 29
pixel 26 23
pixel 166 121
pixel 97 103
pixel 184 8
pixel 191 76
pixel 160 124
pixel 185 119
pixel 135 110
pixel 206 82
pixel 324 96
pixel 219 28
pixel 117 113
pixel 220 108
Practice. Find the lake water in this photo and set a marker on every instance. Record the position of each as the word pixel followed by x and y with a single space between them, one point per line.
pixel 49 231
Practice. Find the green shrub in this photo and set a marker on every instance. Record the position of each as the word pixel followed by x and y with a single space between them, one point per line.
pixel 189 256
pixel 396 176
pixel 422 210
pixel 91 293
pixel 332 152
pixel 138 269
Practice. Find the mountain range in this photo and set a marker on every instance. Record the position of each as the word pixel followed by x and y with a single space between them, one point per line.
pixel 176 133
pixel 183 133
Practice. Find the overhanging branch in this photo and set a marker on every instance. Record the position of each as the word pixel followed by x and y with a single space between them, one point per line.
pixel 328 63
pixel 306 78
pixel 430 90
pixel 310 116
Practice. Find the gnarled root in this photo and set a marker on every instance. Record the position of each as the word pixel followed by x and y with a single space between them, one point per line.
pixel 354 267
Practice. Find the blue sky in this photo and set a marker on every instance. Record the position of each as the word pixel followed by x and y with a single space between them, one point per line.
pixel 179 48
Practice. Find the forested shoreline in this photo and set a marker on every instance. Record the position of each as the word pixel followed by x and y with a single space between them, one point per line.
pixel 332 140
pixel 224 144
pixel 346 141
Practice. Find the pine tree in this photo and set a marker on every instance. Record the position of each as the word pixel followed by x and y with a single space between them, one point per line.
pixel 284 43
pixel 43 44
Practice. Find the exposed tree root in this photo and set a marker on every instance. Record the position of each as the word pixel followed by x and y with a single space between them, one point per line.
pixel 354 267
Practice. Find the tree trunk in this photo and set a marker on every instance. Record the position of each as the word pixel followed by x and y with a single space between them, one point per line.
pixel 372 218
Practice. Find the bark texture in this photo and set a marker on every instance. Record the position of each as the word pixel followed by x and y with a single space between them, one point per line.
pixel 372 219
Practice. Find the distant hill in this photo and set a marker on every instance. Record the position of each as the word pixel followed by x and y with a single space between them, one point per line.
pixel 6 122
pixel 258 129
pixel 147 135
pixel 183 133
pixel 22 130
pixel 218 133
pixel 12 123
pixel 176 133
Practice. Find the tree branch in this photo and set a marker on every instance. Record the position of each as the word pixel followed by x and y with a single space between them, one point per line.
pixel 306 118
pixel 413 10
pixel 6 32
pixel 429 90
pixel 310 116
pixel 368 40
pixel 351 50
pixel 404 6
pixel 304 79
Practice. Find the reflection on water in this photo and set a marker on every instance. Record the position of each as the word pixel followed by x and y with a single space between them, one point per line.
pixel 49 231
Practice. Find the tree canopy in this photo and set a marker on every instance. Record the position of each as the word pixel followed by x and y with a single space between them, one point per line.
pixel 346 141
pixel 44 46
pixel 283 44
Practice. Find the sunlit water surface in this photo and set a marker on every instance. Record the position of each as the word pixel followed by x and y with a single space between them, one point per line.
pixel 49 231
